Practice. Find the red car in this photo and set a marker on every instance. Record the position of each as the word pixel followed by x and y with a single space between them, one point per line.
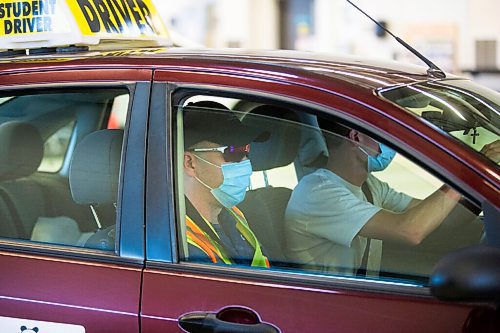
pixel 92 206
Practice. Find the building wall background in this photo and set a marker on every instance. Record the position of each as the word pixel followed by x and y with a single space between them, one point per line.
pixel 455 34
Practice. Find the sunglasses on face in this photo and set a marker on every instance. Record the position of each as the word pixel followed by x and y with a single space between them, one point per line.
pixel 230 153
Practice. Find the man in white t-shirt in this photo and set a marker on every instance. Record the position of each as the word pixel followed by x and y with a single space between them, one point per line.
pixel 335 211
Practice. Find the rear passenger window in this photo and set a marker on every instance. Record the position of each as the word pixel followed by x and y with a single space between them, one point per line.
pixel 269 186
pixel 118 115
pixel 60 164
pixel 55 148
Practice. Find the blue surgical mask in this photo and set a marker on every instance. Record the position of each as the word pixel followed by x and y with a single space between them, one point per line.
pixel 382 160
pixel 236 180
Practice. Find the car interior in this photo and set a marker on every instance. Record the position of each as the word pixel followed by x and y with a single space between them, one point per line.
pixel 295 148
pixel 58 131
pixel 265 207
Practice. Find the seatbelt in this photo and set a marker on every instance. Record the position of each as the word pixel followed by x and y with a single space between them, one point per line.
pixel 364 261
pixel 258 260
pixel 367 192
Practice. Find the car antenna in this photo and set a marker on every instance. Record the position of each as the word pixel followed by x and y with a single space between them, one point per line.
pixel 433 71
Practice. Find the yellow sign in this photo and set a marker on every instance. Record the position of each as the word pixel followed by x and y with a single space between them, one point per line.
pixel 117 17
pixel 48 23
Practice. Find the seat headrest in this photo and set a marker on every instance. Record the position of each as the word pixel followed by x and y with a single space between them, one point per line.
pixel 284 137
pixel 312 144
pixel 95 167
pixel 21 150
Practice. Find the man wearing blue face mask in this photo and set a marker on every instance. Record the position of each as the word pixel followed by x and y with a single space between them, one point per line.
pixel 216 176
pixel 338 216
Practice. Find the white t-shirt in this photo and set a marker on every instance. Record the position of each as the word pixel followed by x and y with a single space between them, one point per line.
pixel 325 214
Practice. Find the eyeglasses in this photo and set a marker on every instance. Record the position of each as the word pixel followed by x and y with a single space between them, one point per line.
pixel 230 153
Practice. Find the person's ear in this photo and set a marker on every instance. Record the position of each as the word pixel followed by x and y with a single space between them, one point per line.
pixel 354 136
pixel 189 164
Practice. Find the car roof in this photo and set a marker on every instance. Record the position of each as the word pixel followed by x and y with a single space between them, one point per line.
pixel 367 73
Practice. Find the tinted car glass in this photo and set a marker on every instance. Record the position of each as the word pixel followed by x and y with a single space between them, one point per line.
pixel 55 148
pixel 298 225
pixel 74 203
pixel 467 111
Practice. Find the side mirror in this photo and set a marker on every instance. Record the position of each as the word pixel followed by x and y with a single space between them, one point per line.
pixel 469 275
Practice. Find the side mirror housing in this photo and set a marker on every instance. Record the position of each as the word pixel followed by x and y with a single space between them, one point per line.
pixel 469 275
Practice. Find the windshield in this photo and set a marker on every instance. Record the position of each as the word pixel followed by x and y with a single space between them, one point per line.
pixel 465 110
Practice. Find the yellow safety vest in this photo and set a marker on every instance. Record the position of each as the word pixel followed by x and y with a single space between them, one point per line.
pixel 197 237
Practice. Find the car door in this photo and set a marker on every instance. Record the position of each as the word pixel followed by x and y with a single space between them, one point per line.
pixel 291 296
pixel 71 256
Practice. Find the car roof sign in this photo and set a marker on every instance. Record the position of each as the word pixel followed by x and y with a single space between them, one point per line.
pixel 53 23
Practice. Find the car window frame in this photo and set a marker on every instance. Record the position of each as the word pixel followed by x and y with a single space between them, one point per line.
pixel 166 201
pixel 130 236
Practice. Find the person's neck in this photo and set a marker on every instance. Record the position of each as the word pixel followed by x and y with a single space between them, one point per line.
pixel 209 209
pixel 347 167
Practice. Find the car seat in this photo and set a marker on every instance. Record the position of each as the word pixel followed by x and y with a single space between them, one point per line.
pixel 28 200
pixel 265 207
pixel 93 178
pixel 21 152
pixel 313 152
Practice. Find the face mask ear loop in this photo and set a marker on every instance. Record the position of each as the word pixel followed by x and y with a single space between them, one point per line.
pixel 367 158
pixel 208 162
pixel 202 183
pixel 364 151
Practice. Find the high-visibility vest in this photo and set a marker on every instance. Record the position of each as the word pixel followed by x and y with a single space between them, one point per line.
pixel 211 247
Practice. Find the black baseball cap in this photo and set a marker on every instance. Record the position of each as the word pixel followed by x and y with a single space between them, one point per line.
pixel 212 121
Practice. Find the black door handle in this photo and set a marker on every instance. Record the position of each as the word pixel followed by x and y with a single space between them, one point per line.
pixel 228 320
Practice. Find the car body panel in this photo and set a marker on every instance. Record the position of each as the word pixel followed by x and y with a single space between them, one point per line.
pixel 99 297
pixel 61 75
pixel 94 289
pixel 293 308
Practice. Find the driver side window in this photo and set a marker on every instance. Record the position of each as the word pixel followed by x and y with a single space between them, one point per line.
pixel 309 203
